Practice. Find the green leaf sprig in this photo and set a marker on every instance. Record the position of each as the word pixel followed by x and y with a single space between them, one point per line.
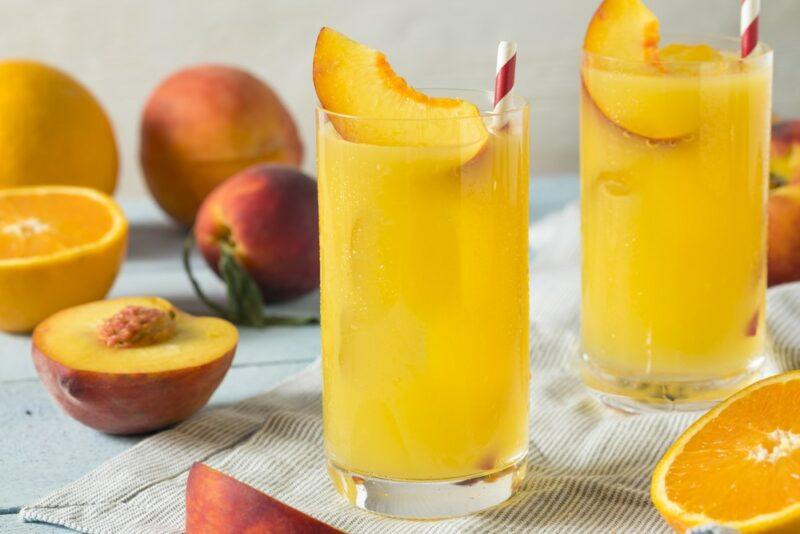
pixel 245 305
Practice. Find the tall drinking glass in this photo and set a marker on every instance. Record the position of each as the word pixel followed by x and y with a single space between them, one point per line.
pixel 674 178
pixel 424 294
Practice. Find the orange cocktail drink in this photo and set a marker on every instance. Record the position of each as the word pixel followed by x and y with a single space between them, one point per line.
pixel 423 235
pixel 674 156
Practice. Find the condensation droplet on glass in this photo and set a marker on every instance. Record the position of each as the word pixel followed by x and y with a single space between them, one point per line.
pixel 615 188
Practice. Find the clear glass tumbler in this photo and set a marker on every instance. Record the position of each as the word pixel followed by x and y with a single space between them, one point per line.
pixel 424 297
pixel 674 180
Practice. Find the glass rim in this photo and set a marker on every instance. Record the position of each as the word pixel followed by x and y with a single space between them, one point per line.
pixel 760 53
pixel 518 103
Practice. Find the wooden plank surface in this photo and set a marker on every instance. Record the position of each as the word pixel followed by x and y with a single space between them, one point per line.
pixel 42 450
pixel 11 524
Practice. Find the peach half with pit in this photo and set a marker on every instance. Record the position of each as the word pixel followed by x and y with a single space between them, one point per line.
pixel 219 504
pixel 133 364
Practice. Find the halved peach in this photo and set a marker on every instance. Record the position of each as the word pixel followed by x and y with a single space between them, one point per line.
pixel 372 104
pixel 133 364
pixel 624 78
pixel 219 504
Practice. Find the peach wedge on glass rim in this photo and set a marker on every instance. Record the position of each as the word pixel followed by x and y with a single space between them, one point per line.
pixel 624 74
pixel 623 29
pixel 371 104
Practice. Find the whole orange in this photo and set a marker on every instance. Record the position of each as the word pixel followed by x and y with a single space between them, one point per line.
pixel 52 130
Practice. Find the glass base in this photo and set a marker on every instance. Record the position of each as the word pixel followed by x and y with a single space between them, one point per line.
pixel 435 499
pixel 638 394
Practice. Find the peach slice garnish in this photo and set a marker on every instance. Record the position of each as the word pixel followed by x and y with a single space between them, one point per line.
pixel 623 29
pixel 637 94
pixel 353 80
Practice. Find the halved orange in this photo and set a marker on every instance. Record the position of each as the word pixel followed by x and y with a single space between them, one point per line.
pixel 739 464
pixel 371 104
pixel 59 246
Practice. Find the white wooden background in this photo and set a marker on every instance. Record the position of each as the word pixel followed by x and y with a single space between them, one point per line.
pixel 122 48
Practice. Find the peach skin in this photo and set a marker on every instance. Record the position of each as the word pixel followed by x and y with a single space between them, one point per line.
pixel 219 504
pixel 783 249
pixel 204 124
pixel 132 364
pixel 268 215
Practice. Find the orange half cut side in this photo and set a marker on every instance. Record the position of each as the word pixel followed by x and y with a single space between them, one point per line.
pixel 59 246
pixel 738 465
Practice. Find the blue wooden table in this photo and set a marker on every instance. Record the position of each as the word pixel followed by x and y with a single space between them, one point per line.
pixel 41 449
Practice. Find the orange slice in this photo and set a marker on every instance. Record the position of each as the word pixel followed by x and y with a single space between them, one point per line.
pixel 738 465
pixel 376 106
pixel 59 246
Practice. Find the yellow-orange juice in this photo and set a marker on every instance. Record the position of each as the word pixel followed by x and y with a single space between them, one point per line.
pixel 674 169
pixel 424 306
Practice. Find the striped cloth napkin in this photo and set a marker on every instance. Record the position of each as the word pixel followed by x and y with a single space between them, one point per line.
pixel 589 467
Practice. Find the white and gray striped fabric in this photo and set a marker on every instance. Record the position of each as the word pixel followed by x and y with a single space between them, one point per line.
pixel 589 467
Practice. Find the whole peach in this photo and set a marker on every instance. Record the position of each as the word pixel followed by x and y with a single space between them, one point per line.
pixel 268 215
pixel 205 123
pixel 785 156
pixel 783 251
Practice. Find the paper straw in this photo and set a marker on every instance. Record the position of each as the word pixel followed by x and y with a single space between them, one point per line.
pixel 749 25
pixel 504 79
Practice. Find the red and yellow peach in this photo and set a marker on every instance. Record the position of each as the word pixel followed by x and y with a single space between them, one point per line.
pixel 204 124
pixel 268 215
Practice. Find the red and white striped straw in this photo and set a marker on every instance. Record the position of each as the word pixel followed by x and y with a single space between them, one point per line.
pixel 749 25
pixel 504 79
